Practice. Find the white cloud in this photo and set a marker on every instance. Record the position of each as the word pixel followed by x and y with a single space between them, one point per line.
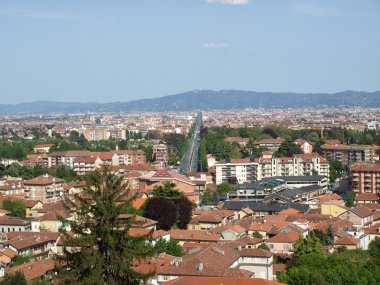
pixel 228 2
pixel 315 10
pixel 215 45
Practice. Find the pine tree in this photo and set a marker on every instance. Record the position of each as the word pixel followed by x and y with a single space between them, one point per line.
pixel 168 192
pixel 98 249
pixel 330 235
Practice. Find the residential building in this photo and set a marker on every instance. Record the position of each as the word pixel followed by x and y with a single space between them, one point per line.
pixel 241 141
pixel 84 165
pixel 237 171
pixel 44 188
pixel 160 155
pixel 66 158
pixel 366 198
pixel 298 165
pixel 359 216
pixel 10 224
pixel 305 146
pixel 220 261
pixel 365 178
pixel 158 177
pixel 32 270
pixel 131 157
pixel 40 245
pixel 348 154
pixel 270 144
pixel 283 242
pixel 11 187
pixel 42 148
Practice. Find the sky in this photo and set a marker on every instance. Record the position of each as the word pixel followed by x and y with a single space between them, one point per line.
pixel 122 50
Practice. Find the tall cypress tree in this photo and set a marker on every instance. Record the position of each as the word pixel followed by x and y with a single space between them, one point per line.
pixel 98 248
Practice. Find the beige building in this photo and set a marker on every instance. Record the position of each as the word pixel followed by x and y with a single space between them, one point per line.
pixel 45 188
pixel 350 153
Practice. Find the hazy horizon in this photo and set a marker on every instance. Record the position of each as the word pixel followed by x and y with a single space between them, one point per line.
pixel 119 51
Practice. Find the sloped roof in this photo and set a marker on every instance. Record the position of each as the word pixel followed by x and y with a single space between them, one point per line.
pixel 289 237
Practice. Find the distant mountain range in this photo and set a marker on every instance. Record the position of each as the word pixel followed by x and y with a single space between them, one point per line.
pixel 205 100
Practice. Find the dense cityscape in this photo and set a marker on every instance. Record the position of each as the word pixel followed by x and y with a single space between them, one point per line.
pixel 189 142
pixel 261 191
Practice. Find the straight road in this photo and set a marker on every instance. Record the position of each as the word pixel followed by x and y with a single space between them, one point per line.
pixel 189 161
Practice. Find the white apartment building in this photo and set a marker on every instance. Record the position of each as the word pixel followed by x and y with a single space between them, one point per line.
pixel 246 171
pixel 243 170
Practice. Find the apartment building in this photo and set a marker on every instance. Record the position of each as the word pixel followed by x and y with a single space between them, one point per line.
pixel 84 165
pixel 66 158
pixel 270 144
pixel 94 134
pixel 365 178
pixel 298 165
pixel 237 170
pixel 348 154
pixel 160 155
pixel 304 145
pixel 131 157
pixel 45 188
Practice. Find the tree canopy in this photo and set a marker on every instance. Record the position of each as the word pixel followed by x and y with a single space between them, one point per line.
pixel 98 249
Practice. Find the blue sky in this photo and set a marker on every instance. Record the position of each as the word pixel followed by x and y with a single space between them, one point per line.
pixel 120 50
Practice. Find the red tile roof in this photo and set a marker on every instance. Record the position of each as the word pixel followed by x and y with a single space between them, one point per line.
pixel 191 280
pixel 34 269
pixel 346 240
pixel 43 180
pixel 289 237
pixel 367 197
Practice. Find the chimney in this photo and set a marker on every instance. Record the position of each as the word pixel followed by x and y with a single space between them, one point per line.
pixel 176 263
pixel 239 247
pixel 200 266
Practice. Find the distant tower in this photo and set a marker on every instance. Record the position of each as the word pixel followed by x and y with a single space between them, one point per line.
pixel 50 127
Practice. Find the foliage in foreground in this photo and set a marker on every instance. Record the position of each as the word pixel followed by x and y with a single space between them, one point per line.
pixel 98 248
pixel 354 267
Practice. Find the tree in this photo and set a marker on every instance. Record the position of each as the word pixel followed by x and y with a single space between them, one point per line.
pixel 224 187
pixel 162 211
pixel 222 150
pixel 21 259
pixel 330 236
pixel 41 281
pixel 288 149
pixel 16 207
pixel 311 244
pixel 16 279
pixel 313 137
pixel 167 191
pixel 101 249
pixel 374 248
pixel 350 202
pixel 171 247
pixel 336 167
pixel 207 197
pixel 252 151
pixel 263 246
pixel 256 234
pixel 185 210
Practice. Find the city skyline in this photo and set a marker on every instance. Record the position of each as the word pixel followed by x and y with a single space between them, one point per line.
pixel 87 51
